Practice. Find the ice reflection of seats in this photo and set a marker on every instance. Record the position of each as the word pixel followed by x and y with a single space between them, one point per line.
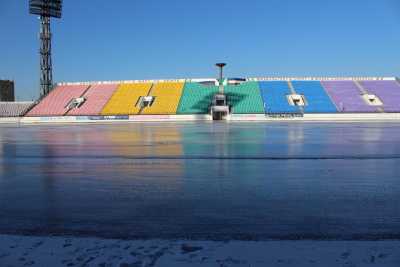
pixel 96 98
pixel 274 94
pixel 14 109
pixel 244 98
pixel 196 98
pixel 387 91
pixel 150 141
pixel 55 103
pixel 317 99
pixel 347 96
pixel 167 97
pixel 168 141
pixel 125 99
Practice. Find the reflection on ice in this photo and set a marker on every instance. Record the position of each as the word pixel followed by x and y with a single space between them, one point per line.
pixel 222 180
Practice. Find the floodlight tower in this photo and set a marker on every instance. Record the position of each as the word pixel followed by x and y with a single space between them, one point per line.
pixel 221 76
pixel 46 9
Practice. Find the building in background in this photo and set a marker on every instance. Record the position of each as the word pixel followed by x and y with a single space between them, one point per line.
pixel 7 90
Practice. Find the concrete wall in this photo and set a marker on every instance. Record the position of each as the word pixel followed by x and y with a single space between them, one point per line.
pixel 190 118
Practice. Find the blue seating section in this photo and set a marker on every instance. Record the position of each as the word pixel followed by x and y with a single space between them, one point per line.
pixel 274 95
pixel 317 99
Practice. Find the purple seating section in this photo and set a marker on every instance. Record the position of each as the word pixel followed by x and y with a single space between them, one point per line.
pixel 387 91
pixel 96 98
pixel 55 103
pixel 347 96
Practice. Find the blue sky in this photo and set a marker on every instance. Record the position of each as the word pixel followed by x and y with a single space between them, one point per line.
pixel 149 39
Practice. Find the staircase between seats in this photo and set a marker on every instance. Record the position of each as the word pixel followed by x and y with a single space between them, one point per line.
pixel 148 94
pixel 293 92
pixel 363 92
pixel 82 95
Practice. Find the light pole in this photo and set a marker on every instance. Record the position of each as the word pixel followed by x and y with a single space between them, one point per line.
pixel 46 9
pixel 221 76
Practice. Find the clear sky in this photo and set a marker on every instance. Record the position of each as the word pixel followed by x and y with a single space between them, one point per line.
pixel 155 39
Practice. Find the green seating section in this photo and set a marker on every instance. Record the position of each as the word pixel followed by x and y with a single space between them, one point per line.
pixel 196 98
pixel 245 98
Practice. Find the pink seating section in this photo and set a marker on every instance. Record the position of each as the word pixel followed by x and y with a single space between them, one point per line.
pixel 54 104
pixel 96 98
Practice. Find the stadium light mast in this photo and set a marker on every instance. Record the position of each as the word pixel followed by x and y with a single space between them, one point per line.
pixel 221 76
pixel 46 9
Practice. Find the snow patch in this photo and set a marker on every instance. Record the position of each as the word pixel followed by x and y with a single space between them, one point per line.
pixel 71 251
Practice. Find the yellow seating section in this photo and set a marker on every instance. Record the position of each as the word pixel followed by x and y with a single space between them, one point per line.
pixel 167 96
pixel 125 98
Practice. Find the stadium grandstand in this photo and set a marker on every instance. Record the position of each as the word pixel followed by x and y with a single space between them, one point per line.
pixel 300 97
pixel 8 107
pixel 14 109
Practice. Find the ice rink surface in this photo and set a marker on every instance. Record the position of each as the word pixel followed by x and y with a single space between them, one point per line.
pixel 208 181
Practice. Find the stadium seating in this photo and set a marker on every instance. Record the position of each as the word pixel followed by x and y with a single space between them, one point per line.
pixel 317 99
pixel 244 98
pixel 347 96
pixel 196 98
pixel 125 98
pixel 55 103
pixel 14 109
pixel 167 95
pixel 274 96
pixel 247 97
pixel 387 91
pixel 96 98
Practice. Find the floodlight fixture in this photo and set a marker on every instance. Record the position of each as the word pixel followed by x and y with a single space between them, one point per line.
pixel 46 8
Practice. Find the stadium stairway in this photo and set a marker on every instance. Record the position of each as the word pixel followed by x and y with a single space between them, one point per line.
pixel 167 96
pixel 274 96
pixel 141 108
pixel 292 91
pixel 318 101
pixel 196 98
pixel 55 103
pixel 244 98
pixel 347 96
pixel 69 108
pixel 125 99
pixel 96 98
pixel 387 91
